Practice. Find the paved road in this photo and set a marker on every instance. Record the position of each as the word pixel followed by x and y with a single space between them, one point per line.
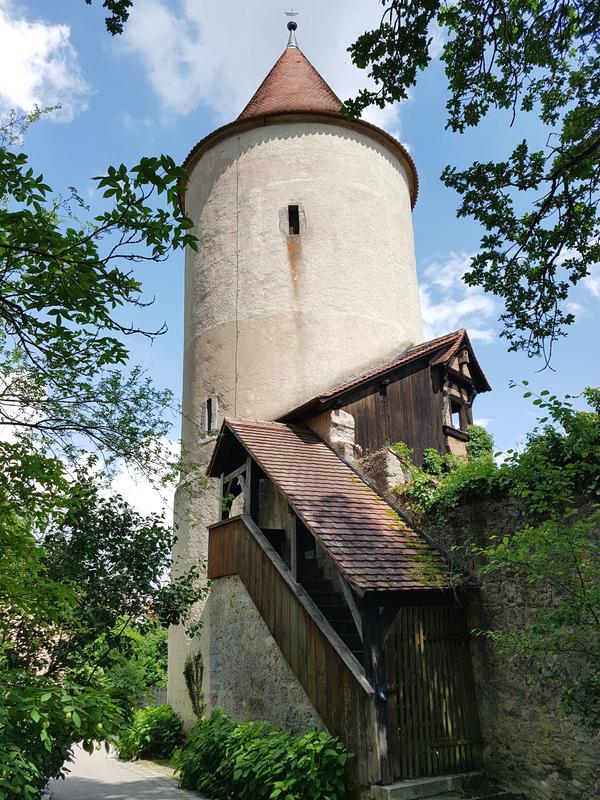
pixel 102 776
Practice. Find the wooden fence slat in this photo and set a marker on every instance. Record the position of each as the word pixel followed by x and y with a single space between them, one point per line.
pixel 436 710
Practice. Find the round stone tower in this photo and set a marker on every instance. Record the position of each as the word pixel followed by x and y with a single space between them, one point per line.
pixel 304 274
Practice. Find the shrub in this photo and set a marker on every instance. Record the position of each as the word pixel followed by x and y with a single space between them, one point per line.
pixel 474 480
pixel 403 451
pixel 40 721
pixel 480 444
pixel 432 461
pixel 256 761
pixel 154 732
pixel 201 762
pixel 137 666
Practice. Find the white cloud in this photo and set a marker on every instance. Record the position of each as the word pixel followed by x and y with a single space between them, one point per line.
pixel 216 54
pixel 38 64
pixel 591 282
pixel 438 40
pixel 447 303
pixel 484 422
pixel 144 495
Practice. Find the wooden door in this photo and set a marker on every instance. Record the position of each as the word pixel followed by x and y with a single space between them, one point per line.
pixel 433 725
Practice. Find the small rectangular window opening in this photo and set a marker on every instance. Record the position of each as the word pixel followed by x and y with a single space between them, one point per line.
pixel 456 416
pixel 209 415
pixel 294 220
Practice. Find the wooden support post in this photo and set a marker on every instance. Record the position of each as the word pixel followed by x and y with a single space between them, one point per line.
pixel 349 597
pixel 293 547
pixel 220 509
pixel 246 486
pixel 375 669
pixel 254 484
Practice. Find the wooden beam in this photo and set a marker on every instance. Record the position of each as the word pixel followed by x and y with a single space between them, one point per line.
pixel 254 484
pixel 236 472
pixel 375 670
pixel 351 600
pixel 245 484
pixel 293 547
pixel 220 509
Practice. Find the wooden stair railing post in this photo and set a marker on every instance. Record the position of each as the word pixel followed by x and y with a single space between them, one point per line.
pixel 375 670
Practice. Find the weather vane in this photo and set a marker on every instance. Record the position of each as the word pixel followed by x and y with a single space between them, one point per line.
pixel 292 25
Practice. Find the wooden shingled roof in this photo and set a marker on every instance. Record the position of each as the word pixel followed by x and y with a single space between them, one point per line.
pixel 373 547
pixel 440 351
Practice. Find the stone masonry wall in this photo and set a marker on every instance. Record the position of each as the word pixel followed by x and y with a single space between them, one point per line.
pixel 245 672
pixel 528 745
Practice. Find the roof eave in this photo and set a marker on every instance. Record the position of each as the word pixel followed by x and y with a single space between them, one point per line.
pixel 240 125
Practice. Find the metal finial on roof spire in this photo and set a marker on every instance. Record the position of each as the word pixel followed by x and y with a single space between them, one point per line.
pixel 292 27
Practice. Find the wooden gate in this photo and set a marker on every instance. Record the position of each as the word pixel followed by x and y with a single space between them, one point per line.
pixel 433 725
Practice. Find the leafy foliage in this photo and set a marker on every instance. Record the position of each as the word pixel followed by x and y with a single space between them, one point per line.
pixel 76 576
pixel 256 761
pixel 137 666
pixel 432 461
pixel 78 567
pixel 480 444
pixel 539 208
pixel 555 481
pixel 64 282
pixel 119 11
pixel 39 721
pixel 154 732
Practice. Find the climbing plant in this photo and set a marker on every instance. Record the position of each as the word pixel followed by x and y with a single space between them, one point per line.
pixel 554 480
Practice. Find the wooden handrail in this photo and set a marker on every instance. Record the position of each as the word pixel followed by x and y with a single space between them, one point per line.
pixel 334 681
pixel 309 604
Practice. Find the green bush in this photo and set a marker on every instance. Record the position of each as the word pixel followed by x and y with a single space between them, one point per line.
pixel 432 461
pixel 40 721
pixel 154 732
pixel 256 761
pixel 480 444
pixel 137 667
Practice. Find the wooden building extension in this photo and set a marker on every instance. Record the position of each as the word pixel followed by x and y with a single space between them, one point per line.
pixel 361 605
pixel 424 397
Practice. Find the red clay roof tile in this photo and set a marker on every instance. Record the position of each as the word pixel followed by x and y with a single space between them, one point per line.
pixel 293 84
pixel 374 548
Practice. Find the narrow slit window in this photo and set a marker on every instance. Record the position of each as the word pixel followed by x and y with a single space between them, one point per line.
pixel 209 415
pixel 294 220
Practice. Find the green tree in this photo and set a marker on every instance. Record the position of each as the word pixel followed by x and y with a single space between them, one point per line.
pixel 538 207
pixel 65 288
pixel 78 566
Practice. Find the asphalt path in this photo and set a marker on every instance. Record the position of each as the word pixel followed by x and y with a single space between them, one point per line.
pixel 101 776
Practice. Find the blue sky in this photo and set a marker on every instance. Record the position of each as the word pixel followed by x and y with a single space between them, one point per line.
pixel 182 68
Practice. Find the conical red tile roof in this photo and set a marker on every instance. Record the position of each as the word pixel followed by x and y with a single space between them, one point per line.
pixel 292 85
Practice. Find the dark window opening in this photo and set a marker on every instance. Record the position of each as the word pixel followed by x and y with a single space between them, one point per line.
pixel 209 415
pixel 294 220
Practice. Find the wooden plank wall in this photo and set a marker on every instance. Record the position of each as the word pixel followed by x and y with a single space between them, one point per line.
pixel 433 724
pixel 339 698
pixel 410 411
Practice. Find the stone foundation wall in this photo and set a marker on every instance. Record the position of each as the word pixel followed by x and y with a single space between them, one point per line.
pixel 245 672
pixel 528 745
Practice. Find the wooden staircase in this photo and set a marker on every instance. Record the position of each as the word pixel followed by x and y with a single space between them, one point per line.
pixel 331 603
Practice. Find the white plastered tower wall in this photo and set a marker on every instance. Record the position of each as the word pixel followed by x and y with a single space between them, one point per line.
pixel 272 319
